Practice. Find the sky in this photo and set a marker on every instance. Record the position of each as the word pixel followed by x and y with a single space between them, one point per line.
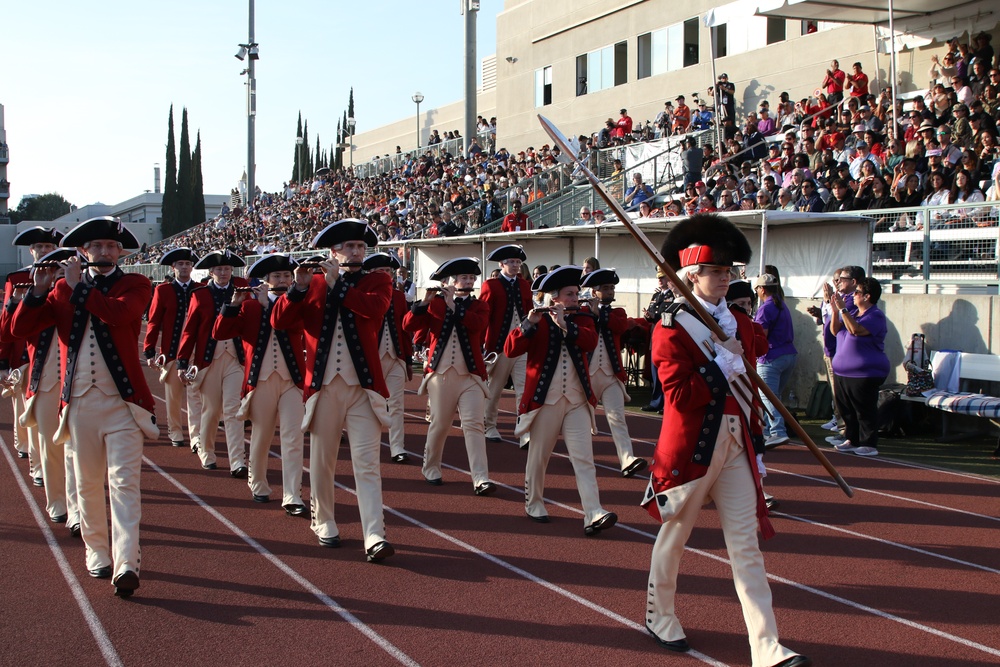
pixel 87 87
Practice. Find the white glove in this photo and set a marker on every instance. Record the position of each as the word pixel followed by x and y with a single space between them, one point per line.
pixel 760 466
pixel 730 364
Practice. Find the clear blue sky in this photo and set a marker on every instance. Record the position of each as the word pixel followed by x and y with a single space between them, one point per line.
pixel 87 87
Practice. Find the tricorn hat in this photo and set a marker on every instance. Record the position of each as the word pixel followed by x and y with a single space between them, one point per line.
pixel 178 255
pixel 94 229
pixel 739 289
pixel 457 267
pixel 380 260
pixel 278 261
pixel 564 276
pixel 220 258
pixel 600 277
pixel 58 255
pixel 348 229
pixel 34 235
pixel 705 238
pixel 507 252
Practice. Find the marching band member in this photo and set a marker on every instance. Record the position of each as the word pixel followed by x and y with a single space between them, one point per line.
pixel 220 363
pixel 106 407
pixel 455 374
pixel 272 381
pixel 38 393
pixel 395 352
pixel 607 375
pixel 165 323
pixel 710 442
pixel 342 313
pixel 509 299
pixel 557 395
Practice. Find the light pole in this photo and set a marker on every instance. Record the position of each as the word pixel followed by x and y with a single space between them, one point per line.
pixel 251 49
pixel 351 123
pixel 299 141
pixel 418 98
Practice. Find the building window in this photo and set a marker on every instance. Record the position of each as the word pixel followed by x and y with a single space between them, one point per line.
pixel 602 69
pixel 668 49
pixel 775 30
pixel 721 41
pixel 543 86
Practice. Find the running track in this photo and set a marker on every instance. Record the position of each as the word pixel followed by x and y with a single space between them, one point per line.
pixel 906 573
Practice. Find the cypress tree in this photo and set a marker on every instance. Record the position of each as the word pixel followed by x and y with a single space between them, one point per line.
pixel 197 185
pixel 319 158
pixel 350 104
pixel 338 149
pixel 169 224
pixel 185 205
pixel 295 164
pixel 306 155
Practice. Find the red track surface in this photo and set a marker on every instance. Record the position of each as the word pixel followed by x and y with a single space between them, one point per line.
pixel 906 573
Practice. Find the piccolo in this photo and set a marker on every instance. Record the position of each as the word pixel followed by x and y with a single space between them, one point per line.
pixel 275 290
pixel 459 290
pixel 317 265
pixel 23 285
pixel 84 264
pixel 551 309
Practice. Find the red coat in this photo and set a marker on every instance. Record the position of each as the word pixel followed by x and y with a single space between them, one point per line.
pixel 512 221
pixel 694 392
pixel 121 309
pixel 12 349
pixel 162 320
pixel 618 324
pixel 399 310
pixel 198 327
pixel 368 300
pixel 474 320
pixel 244 322
pixel 581 337
pixel 494 294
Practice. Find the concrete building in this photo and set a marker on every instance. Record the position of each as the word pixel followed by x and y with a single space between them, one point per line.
pixel 4 183
pixel 578 62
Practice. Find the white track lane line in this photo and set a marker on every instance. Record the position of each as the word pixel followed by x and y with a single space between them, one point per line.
pixel 353 620
pixel 89 615
pixel 803 587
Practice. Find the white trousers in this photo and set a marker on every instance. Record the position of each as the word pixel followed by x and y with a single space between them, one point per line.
pixel 176 396
pixel 608 390
pixel 729 482
pixel 504 368
pixel 394 372
pixel 342 405
pixel 107 444
pixel 447 393
pixel 220 396
pixel 56 460
pixel 277 400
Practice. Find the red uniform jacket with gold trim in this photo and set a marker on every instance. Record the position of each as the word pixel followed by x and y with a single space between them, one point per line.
pixel 618 323
pixel 121 309
pixel 581 338
pixel 368 300
pixel 198 326
pixel 431 319
pixel 162 319
pixel 494 294
pixel 12 349
pixel 399 310
pixel 244 322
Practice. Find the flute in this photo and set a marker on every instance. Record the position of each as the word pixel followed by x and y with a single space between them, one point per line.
pixel 23 285
pixel 84 264
pixel 275 290
pixel 550 309
pixel 459 290
pixel 317 265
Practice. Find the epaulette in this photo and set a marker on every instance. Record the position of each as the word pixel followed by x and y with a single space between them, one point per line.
pixel 667 317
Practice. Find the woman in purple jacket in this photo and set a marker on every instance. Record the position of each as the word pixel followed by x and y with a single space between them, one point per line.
pixel 860 366
pixel 775 367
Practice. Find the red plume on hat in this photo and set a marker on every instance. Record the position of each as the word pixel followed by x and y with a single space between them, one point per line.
pixel 705 239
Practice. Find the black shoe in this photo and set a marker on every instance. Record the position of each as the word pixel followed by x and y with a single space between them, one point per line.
pixel 678 645
pixel 434 482
pixel 401 458
pixel 101 572
pixel 126 583
pixel 524 445
pixel 261 499
pixel 538 519
pixel 22 455
pixel 649 408
pixel 605 522
pixel 379 552
pixel 74 530
pixel 485 489
pixel 59 518
pixel 489 439
pixel 771 502
pixel 295 510
pixel 209 466
pixel 330 542
pixel 194 449
pixel 38 481
pixel 239 473
pixel 634 467
pixel 176 443
pixel 795 661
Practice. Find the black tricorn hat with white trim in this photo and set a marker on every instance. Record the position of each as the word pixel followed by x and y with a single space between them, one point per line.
pixel 104 227
pixel 565 276
pixel 457 267
pixel 220 258
pixel 34 235
pixel 58 255
pixel 348 229
pixel 380 260
pixel 600 277
pixel 178 255
pixel 507 252
pixel 278 261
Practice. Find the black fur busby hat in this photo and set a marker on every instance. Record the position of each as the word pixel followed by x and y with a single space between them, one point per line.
pixel 705 239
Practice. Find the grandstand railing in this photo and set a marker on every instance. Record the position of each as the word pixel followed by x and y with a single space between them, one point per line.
pixel 381 165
